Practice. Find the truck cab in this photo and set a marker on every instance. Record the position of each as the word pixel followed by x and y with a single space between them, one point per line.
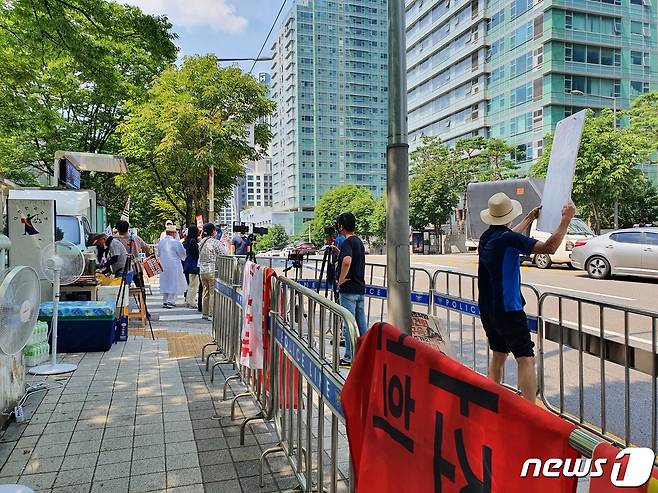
pixel 74 229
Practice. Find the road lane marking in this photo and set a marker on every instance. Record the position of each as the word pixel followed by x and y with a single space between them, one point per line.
pixel 583 292
pixel 597 331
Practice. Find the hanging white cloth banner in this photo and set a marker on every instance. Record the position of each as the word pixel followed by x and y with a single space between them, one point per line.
pixel 251 347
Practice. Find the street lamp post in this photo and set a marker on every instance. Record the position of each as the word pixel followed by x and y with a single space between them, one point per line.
pixel 576 92
pixel 397 174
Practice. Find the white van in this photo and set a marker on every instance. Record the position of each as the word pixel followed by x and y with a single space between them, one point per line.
pixel 578 230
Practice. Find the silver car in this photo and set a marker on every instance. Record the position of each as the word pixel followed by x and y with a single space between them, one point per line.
pixel 628 252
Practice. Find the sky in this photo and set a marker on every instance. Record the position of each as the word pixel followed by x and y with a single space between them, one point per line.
pixel 227 28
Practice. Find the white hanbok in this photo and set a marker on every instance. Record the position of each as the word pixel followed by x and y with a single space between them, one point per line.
pixel 172 280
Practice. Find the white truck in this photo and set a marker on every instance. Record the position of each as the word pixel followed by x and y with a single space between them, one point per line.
pixel 528 191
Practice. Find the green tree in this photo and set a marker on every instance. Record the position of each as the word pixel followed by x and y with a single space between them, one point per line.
pixel 606 166
pixel 276 238
pixel 378 221
pixel 193 117
pixel 432 198
pixel 500 160
pixel 344 198
pixel 644 118
pixel 67 69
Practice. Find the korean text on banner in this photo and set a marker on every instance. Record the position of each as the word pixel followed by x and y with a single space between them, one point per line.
pixel 251 350
pixel 450 428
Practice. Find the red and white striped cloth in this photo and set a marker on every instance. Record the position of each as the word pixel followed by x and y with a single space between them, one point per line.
pixel 251 347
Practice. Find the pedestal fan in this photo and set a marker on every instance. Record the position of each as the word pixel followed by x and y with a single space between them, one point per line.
pixel 63 263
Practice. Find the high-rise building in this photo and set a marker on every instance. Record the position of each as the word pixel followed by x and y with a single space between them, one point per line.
pixel 258 183
pixel 513 69
pixel 329 80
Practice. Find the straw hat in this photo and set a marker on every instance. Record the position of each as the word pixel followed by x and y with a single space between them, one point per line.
pixel 170 228
pixel 502 210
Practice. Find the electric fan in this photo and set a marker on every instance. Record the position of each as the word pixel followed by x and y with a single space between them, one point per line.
pixel 20 294
pixel 63 263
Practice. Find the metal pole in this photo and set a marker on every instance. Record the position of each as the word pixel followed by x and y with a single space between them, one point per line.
pixel 614 126
pixel 397 174
pixel 211 194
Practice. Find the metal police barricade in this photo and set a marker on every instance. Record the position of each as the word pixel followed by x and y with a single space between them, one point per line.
pixel 455 304
pixel 305 383
pixel 224 321
pixel 595 360
pixel 376 290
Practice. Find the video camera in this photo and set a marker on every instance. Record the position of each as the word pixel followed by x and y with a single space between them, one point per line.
pixel 244 229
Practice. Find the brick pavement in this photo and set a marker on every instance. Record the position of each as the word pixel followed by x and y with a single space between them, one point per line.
pixel 135 420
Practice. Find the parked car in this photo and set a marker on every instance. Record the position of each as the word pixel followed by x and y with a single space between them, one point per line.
pixel 306 247
pixel 578 231
pixel 631 252
pixel 271 253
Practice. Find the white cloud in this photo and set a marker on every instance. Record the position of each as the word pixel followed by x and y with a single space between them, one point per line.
pixel 217 14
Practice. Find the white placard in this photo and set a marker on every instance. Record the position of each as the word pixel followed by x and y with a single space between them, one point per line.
pixel 561 169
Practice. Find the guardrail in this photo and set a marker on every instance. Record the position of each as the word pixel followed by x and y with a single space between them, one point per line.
pixel 595 345
pixel 298 388
pixel 306 382
pixel 299 385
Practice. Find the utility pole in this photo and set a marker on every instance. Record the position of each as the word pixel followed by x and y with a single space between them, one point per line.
pixel 397 174
pixel 211 194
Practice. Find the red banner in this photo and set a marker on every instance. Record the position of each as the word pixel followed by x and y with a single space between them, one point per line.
pixel 606 468
pixel 420 421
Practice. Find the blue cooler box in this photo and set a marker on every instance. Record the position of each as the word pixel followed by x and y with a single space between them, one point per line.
pixel 83 326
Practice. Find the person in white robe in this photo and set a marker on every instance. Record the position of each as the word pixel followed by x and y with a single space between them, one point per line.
pixel 172 280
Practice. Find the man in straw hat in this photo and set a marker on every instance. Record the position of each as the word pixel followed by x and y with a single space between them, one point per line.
pixel 499 283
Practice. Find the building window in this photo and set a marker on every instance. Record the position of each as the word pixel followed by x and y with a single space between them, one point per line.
pixel 521 34
pixel 518 7
pixel 595 55
pixel 521 94
pixel 521 65
pixel 640 28
pixel 600 24
pixel 496 19
pixel 640 58
pixel 639 87
pixel 593 86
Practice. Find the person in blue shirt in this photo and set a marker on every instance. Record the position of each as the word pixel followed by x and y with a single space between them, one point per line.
pixel 499 285
pixel 240 244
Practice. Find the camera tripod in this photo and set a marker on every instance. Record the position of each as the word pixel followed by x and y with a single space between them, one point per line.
pixel 297 260
pixel 329 262
pixel 131 266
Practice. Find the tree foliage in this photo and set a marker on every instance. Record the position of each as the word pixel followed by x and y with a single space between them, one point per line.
pixel 472 159
pixel 193 117
pixel 276 238
pixel 432 198
pixel 644 119
pixel 344 198
pixel 67 69
pixel 606 167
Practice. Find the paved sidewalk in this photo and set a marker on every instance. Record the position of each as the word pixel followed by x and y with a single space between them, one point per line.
pixel 135 420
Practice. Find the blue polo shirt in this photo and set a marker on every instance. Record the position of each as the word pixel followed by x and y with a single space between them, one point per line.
pixel 499 270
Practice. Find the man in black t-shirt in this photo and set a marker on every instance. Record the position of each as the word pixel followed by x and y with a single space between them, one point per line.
pixel 350 271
